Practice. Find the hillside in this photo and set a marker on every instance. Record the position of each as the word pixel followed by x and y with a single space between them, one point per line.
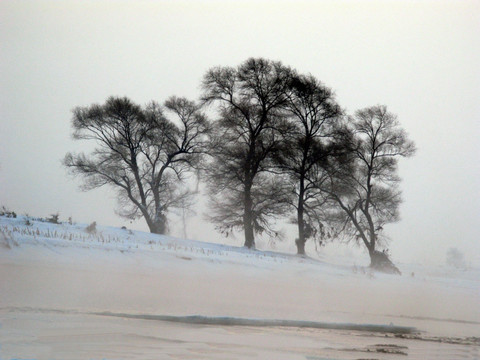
pixel 63 287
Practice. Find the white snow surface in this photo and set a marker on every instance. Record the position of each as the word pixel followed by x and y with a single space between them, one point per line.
pixel 56 279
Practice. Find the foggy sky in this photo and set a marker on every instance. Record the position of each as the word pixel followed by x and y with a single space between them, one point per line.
pixel 418 58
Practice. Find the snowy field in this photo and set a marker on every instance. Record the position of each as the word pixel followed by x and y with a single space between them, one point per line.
pixel 118 294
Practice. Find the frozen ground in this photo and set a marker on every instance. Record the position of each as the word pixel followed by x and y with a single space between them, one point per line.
pixel 65 294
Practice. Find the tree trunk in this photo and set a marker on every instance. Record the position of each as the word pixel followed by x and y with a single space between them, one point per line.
pixel 361 233
pixel 157 225
pixel 301 240
pixel 248 221
pixel 300 246
pixel 371 253
pixel 249 237
pixel 381 262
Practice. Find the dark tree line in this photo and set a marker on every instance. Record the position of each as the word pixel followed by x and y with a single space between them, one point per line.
pixel 278 145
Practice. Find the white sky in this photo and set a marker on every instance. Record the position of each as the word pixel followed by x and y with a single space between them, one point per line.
pixel 419 58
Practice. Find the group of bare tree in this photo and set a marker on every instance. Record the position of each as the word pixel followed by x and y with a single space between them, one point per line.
pixel 279 145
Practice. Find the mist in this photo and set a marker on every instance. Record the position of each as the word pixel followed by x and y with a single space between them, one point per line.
pixel 419 59
pixel 111 292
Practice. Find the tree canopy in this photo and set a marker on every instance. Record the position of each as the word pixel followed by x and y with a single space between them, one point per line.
pixel 143 154
pixel 279 145
pixel 250 99
pixel 367 191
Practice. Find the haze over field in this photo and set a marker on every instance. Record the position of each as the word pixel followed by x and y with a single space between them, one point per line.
pixel 70 294
pixel 88 284
pixel 418 58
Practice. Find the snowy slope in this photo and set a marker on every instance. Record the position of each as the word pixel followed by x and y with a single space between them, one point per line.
pixel 51 271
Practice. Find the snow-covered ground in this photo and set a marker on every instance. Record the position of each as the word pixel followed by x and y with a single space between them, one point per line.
pixel 119 294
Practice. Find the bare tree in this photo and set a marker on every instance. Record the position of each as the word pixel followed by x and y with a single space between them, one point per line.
pixel 141 153
pixel 243 194
pixel 311 142
pixel 367 193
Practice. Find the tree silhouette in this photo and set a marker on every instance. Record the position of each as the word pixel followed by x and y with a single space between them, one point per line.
pixel 141 153
pixel 243 194
pixel 367 192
